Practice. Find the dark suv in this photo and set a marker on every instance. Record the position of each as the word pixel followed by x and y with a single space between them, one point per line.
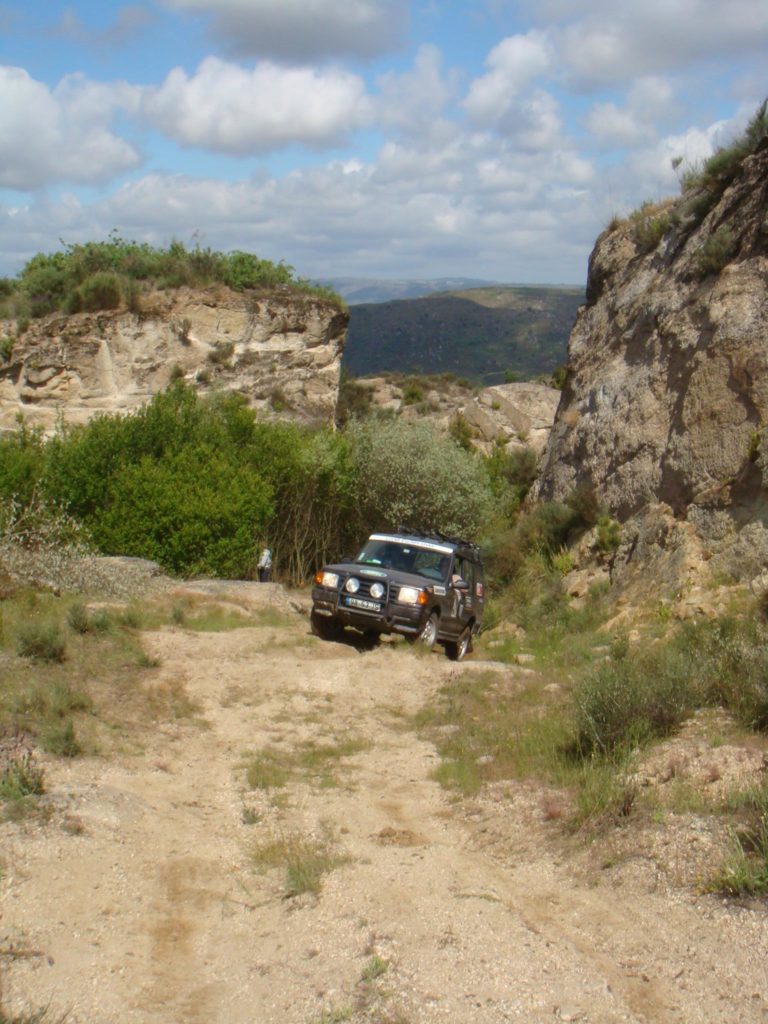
pixel 428 588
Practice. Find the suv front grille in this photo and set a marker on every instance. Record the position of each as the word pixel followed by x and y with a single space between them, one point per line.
pixel 365 589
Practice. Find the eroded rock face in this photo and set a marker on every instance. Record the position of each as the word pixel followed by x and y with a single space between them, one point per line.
pixel 514 413
pixel 667 385
pixel 280 349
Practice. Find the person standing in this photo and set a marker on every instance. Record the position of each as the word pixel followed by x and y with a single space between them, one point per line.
pixel 264 565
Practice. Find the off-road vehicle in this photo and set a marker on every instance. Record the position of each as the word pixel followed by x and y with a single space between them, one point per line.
pixel 426 587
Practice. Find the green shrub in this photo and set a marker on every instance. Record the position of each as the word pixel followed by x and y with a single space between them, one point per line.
pixel 607 534
pixel 355 399
pixel 559 377
pixel 6 348
pixel 20 776
pixel 511 474
pixel 221 353
pixel 42 641
pixel 717 252
pixel 625 703
pixel 411 474
pixel 413 392
pixel 60 738
pixel 278 400
pixel 22 462
pixel 541 531
pixel 703 185
pixel 83 621
pixel 196 513
pixel 731 663
pixel 79 618
pixel 461 432
pixel 245 270
pixel 649 229
pixel 745 871
pixel 101 275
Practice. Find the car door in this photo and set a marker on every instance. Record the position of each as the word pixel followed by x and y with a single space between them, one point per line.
pixel 459 598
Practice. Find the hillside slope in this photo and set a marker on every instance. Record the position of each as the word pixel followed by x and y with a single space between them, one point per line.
pixel 664 412
pixel 481 333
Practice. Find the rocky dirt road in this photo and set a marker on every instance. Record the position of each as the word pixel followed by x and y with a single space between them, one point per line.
pixel 147 896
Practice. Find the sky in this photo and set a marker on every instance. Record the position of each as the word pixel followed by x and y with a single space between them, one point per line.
pixel 492 139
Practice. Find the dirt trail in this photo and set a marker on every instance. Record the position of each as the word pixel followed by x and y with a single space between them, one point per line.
pixel 140 902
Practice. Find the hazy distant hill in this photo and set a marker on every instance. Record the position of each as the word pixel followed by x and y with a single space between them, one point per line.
pixel 355 290
pixel 478 333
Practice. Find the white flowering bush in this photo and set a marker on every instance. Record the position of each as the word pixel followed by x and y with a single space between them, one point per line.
pixel 43 546
pixel 410 474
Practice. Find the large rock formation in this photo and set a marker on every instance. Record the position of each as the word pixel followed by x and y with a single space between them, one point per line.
pixel 518 415
pixel 280 348
pixel 663 412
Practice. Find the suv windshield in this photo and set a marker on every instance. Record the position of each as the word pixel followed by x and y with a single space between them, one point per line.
pixel 417 557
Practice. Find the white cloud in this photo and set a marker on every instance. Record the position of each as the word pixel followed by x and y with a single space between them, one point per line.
pixel 61 134
pixel 613 43
pixel 414 102
pixel 650 103
pixel 512 66
pixel 303 30
pixel 233 110
pixel 475 202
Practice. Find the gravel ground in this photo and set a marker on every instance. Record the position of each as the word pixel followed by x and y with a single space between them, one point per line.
pixel 146 897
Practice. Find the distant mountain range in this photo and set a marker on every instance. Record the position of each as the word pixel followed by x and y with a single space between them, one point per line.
pixel 355 290
pixel 483 334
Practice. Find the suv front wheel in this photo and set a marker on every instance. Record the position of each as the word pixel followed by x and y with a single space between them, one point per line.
pixel 324 627
pixel 428 635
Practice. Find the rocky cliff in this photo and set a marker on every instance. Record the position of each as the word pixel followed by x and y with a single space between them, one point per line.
pixel 280 348
pixel 666 400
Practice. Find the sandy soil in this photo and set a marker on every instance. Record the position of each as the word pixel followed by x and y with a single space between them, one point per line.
pixel 140 901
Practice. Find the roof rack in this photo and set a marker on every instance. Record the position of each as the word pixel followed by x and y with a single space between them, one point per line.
pixel 436 535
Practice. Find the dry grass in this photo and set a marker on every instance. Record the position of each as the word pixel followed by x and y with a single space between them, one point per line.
pixel 88 686
pixel 304 860
pixel 314 762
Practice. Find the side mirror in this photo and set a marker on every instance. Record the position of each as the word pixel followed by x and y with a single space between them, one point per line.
pixel 460 585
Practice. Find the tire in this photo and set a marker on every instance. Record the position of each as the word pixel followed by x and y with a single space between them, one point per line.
pixel 428 636
pixel 326 629
pixel 457 650
pixel 371 638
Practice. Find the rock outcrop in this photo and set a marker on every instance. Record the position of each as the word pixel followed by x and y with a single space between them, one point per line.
pixel 515 414
pixel 663 411
pixel 281 349
pixel 518 415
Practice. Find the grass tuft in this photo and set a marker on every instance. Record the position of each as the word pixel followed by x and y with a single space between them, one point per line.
pixel 42 641
pixel 304 861
pixel 20 775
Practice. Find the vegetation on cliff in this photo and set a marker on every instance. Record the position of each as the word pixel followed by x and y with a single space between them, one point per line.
pixel 113 274
pixel 702 186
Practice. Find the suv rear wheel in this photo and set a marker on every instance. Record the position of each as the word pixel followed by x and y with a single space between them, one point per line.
pixel 458 649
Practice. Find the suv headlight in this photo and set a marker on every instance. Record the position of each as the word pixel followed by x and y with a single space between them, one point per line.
pixel 377 591
pixel 411 595
pixel 352 585
pixel 327 579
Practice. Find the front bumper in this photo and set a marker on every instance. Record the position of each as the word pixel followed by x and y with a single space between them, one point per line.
pixel 407 620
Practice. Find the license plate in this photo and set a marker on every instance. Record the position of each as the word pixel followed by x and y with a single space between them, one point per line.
pixel 359 602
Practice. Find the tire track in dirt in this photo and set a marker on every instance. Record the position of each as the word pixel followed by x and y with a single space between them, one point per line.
pixel 156 913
